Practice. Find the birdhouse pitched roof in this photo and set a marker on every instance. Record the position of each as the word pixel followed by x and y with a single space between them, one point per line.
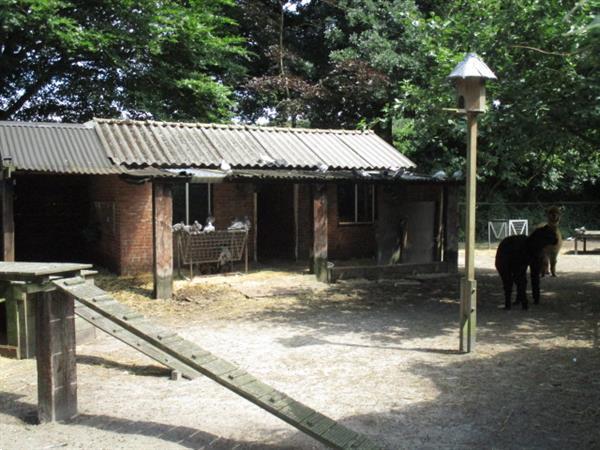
pixel 472 67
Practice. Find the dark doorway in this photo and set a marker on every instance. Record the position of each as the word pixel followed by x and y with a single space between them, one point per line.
pixel 3 324
pixel 51 218
pixel 275 222
pixel 420 231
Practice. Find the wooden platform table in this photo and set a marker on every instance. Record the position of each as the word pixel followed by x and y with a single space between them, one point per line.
pixel 584 236
pixel 53 319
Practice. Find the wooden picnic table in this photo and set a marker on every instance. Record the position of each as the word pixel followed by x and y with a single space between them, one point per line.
pixel 584 236
pixel 52 316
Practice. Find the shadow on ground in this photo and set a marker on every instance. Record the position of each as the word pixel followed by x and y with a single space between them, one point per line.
pixel 526 398
pixel 135 369
pixel 184 436
pixel 393 312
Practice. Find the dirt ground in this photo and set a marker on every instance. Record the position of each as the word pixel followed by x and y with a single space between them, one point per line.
pixel 380 357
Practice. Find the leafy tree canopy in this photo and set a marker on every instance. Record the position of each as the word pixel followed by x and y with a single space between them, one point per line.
pixel 380 64
pixel 74 59
pixel 542 132
pixel 384 63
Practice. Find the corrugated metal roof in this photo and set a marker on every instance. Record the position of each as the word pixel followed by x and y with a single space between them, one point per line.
pixel 125 147
pixel 200 175
pixel 357 176
pixel 54 147
pixel 64 149
pixel 164 144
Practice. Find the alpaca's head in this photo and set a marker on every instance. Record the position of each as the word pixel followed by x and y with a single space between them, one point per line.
pixel 553 215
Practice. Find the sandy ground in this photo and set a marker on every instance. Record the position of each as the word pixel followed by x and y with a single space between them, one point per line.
pixel 380 357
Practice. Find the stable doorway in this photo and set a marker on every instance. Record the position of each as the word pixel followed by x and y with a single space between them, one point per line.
pixel 275 222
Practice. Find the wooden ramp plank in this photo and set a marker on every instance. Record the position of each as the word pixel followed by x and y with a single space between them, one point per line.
pixel 134 341
pixel 168 348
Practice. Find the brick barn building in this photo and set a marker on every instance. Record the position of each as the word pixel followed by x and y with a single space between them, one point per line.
pixel 108 192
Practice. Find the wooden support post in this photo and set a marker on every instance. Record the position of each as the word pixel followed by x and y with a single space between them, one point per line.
pixel 468 301
pixel 451 227
pixel 162 214
pixel 320 232
pixel 20 319
pixel 56 365
pixel 8 220
pixel 255 227
pixel 440 206
pixel 296 222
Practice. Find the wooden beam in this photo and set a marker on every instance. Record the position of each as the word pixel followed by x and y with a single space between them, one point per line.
pixel 468 301
pixel 439 225
pixel 255 226
pixel 20 319
pixel 450 253
pixel 320 244
pixel 162 239
pixel 56 365
pixel 296 222
pixel 8 220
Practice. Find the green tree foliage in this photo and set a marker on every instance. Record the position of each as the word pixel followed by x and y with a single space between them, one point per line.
pixel 293 77
pixel 74 59
pixel 384 63
pixel 283 80
pixel 543 132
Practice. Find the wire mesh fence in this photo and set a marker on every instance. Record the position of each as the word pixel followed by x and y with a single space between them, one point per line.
pixel 219 247
pixel 574 215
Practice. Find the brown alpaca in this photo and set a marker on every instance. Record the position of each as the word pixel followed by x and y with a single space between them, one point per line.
pixel 550 253
pixel 514 255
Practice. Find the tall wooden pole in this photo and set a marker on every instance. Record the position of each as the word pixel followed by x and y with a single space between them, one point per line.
pixel 468 286
pixel 162 239
pixel 320 244
pixel 8 220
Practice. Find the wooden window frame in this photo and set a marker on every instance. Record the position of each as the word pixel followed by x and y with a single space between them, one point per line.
pixel 356 221
pixel 187 201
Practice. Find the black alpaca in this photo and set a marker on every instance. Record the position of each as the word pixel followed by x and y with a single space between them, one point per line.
pixel 514 255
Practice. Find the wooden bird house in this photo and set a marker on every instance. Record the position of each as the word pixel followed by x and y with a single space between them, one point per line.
pixel 469 79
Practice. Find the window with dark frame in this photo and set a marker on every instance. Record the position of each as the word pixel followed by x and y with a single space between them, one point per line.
pixel 356 203
pixel 192 202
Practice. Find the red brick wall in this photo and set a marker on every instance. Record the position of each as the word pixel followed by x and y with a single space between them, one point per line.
pixel 344 241
pixel 127 249
pixel 231 200
pixel 135 224
pixel 126 244
pixel 124 211
pixel 347 241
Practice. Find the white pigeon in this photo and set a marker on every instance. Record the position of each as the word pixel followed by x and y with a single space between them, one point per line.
pixel 209 227
pixel 440 175
pixel 225 167
pixel 322 167
pixel 266 160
